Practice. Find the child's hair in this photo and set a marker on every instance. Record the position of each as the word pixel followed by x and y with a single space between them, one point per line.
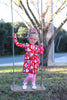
pixel 32 31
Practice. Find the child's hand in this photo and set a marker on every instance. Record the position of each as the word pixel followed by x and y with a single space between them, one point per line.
pixel 42 43
pixel 14 35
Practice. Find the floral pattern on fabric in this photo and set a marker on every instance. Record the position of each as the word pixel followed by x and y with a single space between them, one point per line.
pixel 31 62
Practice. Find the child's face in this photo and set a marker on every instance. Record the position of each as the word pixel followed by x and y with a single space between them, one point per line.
pixel 32 39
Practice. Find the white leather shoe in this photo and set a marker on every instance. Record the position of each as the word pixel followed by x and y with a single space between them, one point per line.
pixel 24 86
pixel 34 86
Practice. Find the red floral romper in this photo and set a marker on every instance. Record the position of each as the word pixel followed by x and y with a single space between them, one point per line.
pixel 31 62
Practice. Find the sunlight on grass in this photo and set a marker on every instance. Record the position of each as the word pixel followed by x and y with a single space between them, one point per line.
pixel 19 69
pixel 10 69
pixel 64 72
pixel 6 71
pixel 60 70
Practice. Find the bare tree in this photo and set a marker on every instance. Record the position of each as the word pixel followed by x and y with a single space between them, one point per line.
pixel 36 22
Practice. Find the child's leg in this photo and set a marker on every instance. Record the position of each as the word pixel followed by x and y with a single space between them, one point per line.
pixel 34 79
pixel 28 78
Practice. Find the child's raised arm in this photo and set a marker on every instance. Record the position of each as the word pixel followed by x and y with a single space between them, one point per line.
pixel 17 43
pixel 41 44
pixel 14 35
pixel 41 48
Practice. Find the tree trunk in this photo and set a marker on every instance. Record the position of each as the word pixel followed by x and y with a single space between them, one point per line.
pixel 50 31
pixel 44 58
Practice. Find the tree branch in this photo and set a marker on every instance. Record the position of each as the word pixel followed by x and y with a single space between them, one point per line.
pixel 60 8
pixel 37 8
pixel 64 7
pixel 43 16
pixel 54 15
pixel 32 22
pixel 28 26
pixel 56 32
pixel 22 7
pixel 32 13
pixel 45 11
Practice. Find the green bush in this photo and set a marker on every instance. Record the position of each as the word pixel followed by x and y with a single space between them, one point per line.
pixel 6 37
pixel 61 41
pixel 3 41
pixel 63 44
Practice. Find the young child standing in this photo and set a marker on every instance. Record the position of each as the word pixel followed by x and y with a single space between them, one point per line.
pixel 31 62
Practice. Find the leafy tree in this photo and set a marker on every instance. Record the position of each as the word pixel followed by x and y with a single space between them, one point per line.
pixel 6 37
pixel 61 41
pixel 63 44
pixel 3 41
pixel 20 29
pixel 17 25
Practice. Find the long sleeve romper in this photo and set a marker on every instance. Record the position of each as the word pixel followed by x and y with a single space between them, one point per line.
pixel 31 60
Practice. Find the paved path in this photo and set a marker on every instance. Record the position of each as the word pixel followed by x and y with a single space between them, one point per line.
pixel 60 59
pixel 8 61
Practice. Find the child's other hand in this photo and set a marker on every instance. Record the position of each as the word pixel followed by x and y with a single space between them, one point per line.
pixel 42 43
pixel 14 35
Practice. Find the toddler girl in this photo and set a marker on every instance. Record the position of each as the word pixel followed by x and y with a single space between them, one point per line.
pixel 31 62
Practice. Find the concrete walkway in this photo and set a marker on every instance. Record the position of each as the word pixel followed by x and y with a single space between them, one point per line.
pixel 60 60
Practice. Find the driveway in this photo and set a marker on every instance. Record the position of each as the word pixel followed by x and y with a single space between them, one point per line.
pixel 59 58
pixel 8 61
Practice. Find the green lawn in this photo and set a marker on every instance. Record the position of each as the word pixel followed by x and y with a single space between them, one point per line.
pixel 55 81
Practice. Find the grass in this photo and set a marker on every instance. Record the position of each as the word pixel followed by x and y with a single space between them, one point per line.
pixel 55 81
